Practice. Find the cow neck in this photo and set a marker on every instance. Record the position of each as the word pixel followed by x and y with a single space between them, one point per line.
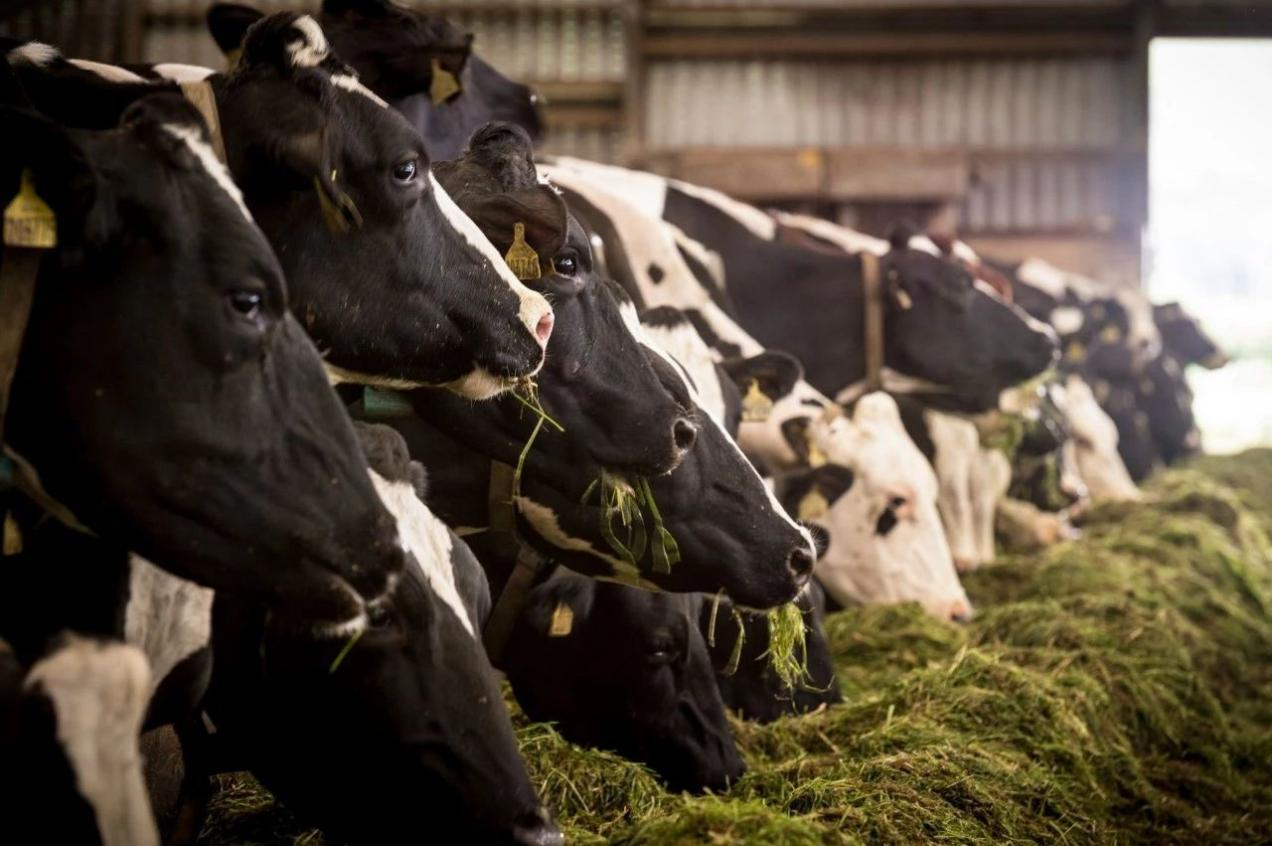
pixel 873 299
pixel 529 565
pixel 202 97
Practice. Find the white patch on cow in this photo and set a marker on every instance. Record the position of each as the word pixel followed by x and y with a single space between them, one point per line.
pixel 912 562
pixel 548 526
pixel 963 252
pixel 312 48
pixel 351 83
pixel 532 305
pixel 755 220
pixel 341 376
pixel 924 244
pixel 1043 276
pixel 167 618
pixel 705 256
pixel 426 538
pixel 35 53
pixel 848 240
pixel 193 139
pixel 1142 335
pixel 991 477
pixel 178 72
pixel 1095 454
pixel 110 73
pixel 1066 319
pixel 477 384
pixel 957 447
pixel 99 693
pixel 644 191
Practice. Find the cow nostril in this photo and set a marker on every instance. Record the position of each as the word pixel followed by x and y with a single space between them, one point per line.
pixel 684 433
pixel 543 330
pixel 961 612
pixel 800 562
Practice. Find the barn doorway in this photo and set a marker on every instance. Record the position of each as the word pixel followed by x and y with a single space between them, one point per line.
pixel 1209 242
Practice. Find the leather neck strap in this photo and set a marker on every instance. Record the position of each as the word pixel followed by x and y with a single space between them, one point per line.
pixel 873 289
pixel 529 562
pixel 202 97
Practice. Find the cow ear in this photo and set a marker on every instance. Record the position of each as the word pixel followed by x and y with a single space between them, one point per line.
pixel 306 155
pixel 540 211
pixel 61 175
pixel 772 373
pixel 506 152
pixel 809 494
pixel 229 22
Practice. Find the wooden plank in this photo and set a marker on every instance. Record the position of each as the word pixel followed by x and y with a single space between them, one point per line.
pixel 769 174
pixel 896 174
pixel 812 43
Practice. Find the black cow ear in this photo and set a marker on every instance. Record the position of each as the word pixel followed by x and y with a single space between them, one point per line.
pixel 229 22
pixel 60 172
pixel 808 494
pixel 506 152
pixel 772 374
pixel 540 211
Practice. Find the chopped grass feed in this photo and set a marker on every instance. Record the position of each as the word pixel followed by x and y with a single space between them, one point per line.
pixel 1113 689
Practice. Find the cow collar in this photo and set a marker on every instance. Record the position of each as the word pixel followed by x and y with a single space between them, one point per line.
pixel 202 97
pixel 525 573
pixel 873 289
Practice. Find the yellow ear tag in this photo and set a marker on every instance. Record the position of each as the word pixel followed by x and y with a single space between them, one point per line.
pixel 521 257
pixel 444 84
pixel 813 506
pixel 1075 351
pixel 12 535
pixel 562 620
pixel 341 213
pixel 756 406
pixel 1110 334
pixel 28 220
pixel 904 300
pixel 816 458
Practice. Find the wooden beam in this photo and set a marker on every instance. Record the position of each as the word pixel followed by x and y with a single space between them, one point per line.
pixel 897 174
pixel 818 44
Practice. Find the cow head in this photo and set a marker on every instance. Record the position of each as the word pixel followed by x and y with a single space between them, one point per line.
pixel 627 670
pixel 621 404
pixel 406 290
pixel 1095 443
pixel 227 459
pixel 1042 473
pixel 1184 339
pixel 754 689
pixel 377 738
pixel 398 52
pixel 1164 396
pixel 876 501
pixel 945 327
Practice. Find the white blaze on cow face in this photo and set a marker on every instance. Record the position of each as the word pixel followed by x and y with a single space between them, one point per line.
pixel 351 83
pixel 191 137
pixel 912 561
pixel 426 538
pixel 167 618
pixel 99 693
pixel 533 307
pixel 1094 443
pixel 686 347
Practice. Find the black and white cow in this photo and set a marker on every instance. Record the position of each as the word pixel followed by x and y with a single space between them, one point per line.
pixel 407 292
pixel 1185 340
pixel 70 768
pixel 228 459
pixel 624 669
pixel 393 49
pixel 939 325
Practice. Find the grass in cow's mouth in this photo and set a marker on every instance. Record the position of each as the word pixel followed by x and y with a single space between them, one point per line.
pixel 629 500
pixel 531 401
pixel 1115 689
pixel 786 651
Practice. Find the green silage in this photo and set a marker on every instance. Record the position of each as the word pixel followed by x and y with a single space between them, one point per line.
pixel 1113 689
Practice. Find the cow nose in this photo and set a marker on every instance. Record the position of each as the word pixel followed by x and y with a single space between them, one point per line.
pixel 537 829
pixel 683 433
pixel 800 563
pixel 543 330
pixel 961 612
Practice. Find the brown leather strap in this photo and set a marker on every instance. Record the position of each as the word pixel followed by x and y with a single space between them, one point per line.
pixel 27 480
pixel 202 97
pixel 20 267
pixel 873 290
pixel 503 531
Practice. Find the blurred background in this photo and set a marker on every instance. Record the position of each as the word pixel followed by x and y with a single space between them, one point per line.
pixel 1123 139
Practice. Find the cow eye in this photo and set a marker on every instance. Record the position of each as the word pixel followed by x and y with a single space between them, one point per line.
pixel 566 265
pixel 246 303
pixel 663 650
pixel 405 171
pixel 379 617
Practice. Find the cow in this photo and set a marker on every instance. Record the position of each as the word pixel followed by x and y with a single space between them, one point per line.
pixel 70 768
pixel 1184 340
pixel 624 669
pixel 408 695
pixel 314 151
pixel 422 64
pixel 1094 444
pixel 939 325
pixel 728 531
pixel 227 459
